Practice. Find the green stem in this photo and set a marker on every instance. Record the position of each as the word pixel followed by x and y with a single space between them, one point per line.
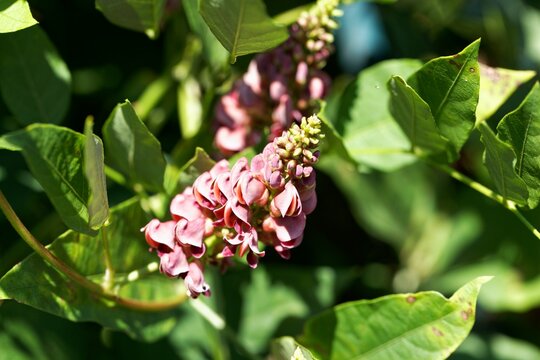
pixel 508 204
pixel 109 271
pixel 73 275
pixel 115 176
pixel 152 95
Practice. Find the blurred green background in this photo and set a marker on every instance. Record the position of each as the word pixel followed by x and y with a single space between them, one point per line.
pixel 372 234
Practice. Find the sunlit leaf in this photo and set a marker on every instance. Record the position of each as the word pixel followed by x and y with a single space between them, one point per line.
pixel 521 129
pixel 34 282
pixel 34 80
pixel 190 109
pixel 370 134
pixel 98 204
pixel 15 15
pixel 54 155
pixel 132 149
pixel 286 348
pixel 450 86
pixel 414 116
pixel 139 15
pixel 499 159
pixel 424 325
pixel 496 86
pixel 176 179
pixel 242 26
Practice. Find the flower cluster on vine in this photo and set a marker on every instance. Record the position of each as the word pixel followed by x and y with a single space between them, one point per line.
pixel 238 210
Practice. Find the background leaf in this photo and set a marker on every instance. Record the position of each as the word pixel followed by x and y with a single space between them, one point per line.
pixel 34 80
pixel 450 86
pixel 496 86
pixel 15 15
pixel 370 134
pixel 521 129
pixel 414 116
pixel 499 159
pixel 35 283
pixel 54 155
pixel 132 149
pixel 286 347
pixel 98 204
pixel 242 26
pixel 404 326
pixel 139 15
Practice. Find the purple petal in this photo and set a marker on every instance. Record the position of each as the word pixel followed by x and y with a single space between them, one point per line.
pixel 158 233
pixel 191 232
pixel 173 263
pixel 290 227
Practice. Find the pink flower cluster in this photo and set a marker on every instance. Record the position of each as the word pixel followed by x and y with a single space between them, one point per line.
pixel 280 86
pixel 240 209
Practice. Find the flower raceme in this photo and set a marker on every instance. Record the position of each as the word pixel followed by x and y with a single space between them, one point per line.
pixel 238 210
pixel 281 85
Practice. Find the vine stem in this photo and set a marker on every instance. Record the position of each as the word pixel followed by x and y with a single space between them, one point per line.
pixel 109 271
pixel 74 276
pixel 484 190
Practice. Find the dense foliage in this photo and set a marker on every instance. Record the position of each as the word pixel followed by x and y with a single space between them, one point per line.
pixel 245 179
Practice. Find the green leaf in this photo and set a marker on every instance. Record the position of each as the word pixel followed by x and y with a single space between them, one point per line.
pixel 450 86
pixel 499 159
pixel 138 15
pixel 15 15
pixel 214 52
pixel 34 282
pixel 132 149
pixel 370 134
pixel 34 81
pixel 521 129
pixel 242 26
pixel 176 179
pixel 98 204
pixel 424 325
pixel 496 86
pixel 286 348
pixel 54 156
pixel 414 116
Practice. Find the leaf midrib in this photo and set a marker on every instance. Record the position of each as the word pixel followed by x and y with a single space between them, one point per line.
pixel 238 27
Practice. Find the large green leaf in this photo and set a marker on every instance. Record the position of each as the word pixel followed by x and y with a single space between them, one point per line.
pixel 98 204
pixel 139 15
pixel 214 52
pixel 370 134
pixel 521 129
pixel 34 282
pixel 132 149
pixel 54 155
pixel 242 26
pixel 424 325
pixel 286 348
pixel 450 86
pixel 15 15
pixel 414 116
pixel 496 86
pixel 34 81
pixel 499 159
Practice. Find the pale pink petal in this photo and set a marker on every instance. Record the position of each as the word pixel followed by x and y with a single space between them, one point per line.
pixel 230 141
pixel 191 232
pixel 173 263
pixel 158 233
pixel 195 282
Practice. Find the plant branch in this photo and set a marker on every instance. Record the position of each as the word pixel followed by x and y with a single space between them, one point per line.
pixel 73 275
pixel 109 271
pixel 484 190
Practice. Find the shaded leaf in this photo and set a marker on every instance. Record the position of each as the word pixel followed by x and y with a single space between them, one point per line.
pixel 521 129
pixel 424 325
pixel 15 15
pixel 214 52
pixel 54 155
pixel 450 86
pixel 34 81
pixel 139 15
pixel 242 26
pixel 414 116
pixel 34 282
pixel 496 86
pixel 499 159
pixel 98 204
pixel 370 134
pixel 132 149
pixel 176 179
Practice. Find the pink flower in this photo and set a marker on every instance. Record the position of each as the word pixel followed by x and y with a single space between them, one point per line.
pixel 194 281
pixel 173 263
pixel 287 202
pixel 160 235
